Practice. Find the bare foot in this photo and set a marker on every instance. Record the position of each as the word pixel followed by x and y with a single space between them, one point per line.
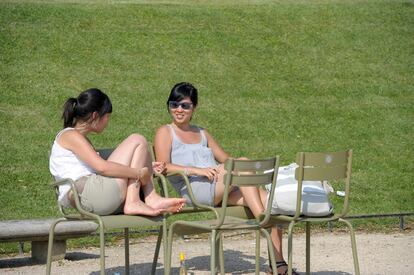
pixel 140 208
pixel 171 205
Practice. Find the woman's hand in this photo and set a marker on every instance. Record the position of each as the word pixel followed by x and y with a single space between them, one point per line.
pixel 210 172
pixel 159 167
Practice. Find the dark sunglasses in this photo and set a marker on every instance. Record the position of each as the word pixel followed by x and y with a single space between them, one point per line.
pixel 184 105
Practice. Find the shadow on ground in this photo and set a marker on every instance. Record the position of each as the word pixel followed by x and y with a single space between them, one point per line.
pixel 28 261
pixel 235 262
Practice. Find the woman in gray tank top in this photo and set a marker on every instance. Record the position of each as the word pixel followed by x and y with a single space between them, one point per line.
pixel 191 149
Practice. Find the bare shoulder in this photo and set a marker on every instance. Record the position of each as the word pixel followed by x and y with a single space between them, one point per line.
pixel 71 139
pixel 162 135
pixel 69 135
pixel 163 130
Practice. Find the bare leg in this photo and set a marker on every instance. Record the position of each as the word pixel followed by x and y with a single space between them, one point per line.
pixel 133 152
pixel 152 199
pixel 276 236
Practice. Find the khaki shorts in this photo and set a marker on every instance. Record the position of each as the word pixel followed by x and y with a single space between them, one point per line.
pixel 100 195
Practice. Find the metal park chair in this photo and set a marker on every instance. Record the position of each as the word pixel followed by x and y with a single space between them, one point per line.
pixel 105 223
pixel 229 218
pixel 334 167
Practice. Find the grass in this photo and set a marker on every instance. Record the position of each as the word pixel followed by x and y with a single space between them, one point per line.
pixel 275 77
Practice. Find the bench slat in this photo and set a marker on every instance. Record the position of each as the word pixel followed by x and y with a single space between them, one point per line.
pixel 38 229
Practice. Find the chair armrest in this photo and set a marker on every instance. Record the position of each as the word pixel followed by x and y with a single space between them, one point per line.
pixel 191 194
pixel 61 182
pixel 162 183
pixel 78 206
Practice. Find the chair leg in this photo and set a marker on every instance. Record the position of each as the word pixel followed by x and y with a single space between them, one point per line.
pixel 290 247
pixel 270 249
pixel 102 248
pixel 257 254
pixel 167 257
pixel 308 248
pixel 50 244
pixel 220 254
pixel 157 250
pixel 126 236
pixel 213 252
pixel 353 244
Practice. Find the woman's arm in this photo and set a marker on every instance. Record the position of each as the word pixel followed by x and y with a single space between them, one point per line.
pixel 162 146
pixel 219 154
pixel 80 146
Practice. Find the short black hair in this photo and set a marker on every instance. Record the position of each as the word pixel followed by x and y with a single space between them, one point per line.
pixel 182 90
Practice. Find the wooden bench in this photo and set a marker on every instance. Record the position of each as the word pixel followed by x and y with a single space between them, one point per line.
pixel 37 232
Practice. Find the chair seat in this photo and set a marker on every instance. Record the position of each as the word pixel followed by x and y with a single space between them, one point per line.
pixel 122 220
pixel 126 221
pixel 235 210
pixel 284 218
pixel 204 226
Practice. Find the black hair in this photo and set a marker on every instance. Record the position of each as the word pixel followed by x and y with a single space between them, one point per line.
pixel 182 90
pixel 82 107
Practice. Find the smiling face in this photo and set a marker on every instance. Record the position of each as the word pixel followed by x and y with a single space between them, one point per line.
pixel 182 111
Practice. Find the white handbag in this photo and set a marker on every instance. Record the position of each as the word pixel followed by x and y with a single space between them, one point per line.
pixel 315 199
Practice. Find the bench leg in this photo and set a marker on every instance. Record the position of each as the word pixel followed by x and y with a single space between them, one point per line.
pixel 39 250
pixel 126 235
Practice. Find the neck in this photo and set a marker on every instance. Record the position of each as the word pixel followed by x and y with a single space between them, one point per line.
pixel 183 127
pixel 82 128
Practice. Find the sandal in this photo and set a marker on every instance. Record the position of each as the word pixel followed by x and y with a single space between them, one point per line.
pixel 280 264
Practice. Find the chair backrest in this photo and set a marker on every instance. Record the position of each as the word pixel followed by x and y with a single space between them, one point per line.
pixel 330 166
pixel 245 172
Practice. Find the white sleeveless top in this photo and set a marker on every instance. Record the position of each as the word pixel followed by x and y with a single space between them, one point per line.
pixel 64 164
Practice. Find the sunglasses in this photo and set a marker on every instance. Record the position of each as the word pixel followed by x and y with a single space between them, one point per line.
pixel 184 105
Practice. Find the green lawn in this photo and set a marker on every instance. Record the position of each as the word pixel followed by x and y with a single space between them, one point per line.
pixel 275 77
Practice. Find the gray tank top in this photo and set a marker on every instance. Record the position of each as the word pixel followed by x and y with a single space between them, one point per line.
pixel 194 155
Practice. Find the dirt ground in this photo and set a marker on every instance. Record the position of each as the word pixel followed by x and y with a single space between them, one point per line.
pixel 330 254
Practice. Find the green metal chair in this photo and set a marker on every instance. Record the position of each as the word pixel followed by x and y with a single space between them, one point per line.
pixel 105 223
pixel 230 218
pixel 167 190
pixel 333 166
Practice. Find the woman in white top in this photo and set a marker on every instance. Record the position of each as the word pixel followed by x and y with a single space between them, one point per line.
pixel 105 186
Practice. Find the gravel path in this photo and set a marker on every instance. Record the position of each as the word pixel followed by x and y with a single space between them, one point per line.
pixel 330 254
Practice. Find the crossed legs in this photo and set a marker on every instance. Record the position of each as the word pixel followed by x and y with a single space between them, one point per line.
pixel 133 152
